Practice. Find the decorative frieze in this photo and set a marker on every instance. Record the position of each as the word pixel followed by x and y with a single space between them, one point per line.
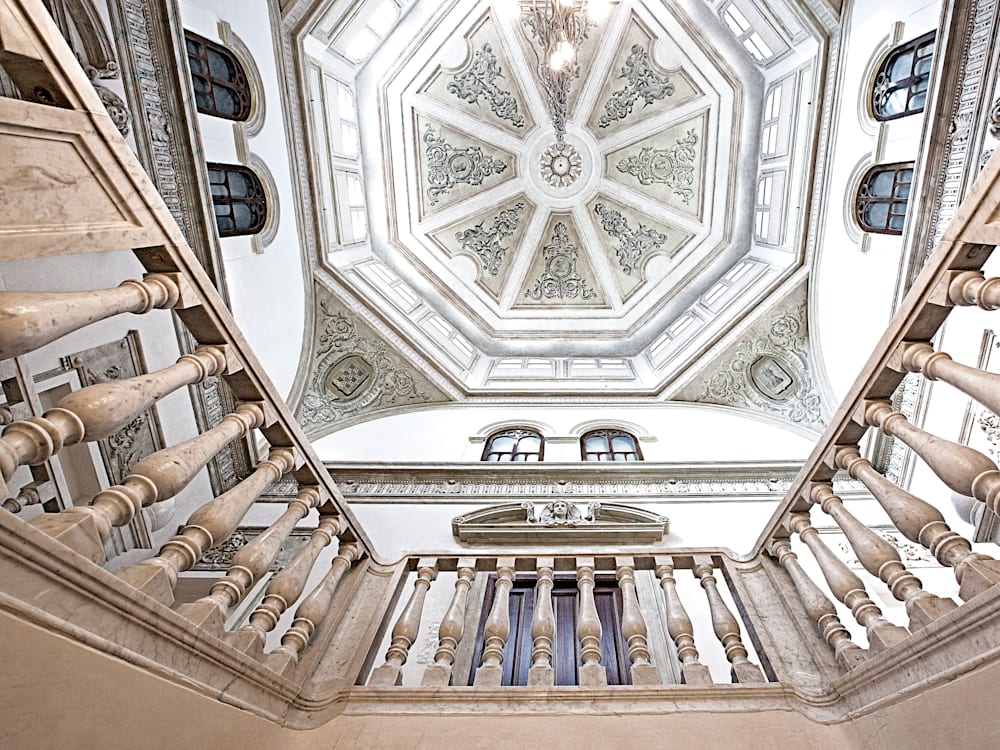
pixel 221 557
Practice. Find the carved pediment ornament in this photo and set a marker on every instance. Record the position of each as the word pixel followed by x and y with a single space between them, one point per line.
pixel 560 522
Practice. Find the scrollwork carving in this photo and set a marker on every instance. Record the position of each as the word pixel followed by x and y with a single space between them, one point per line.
pixel 448 166
pixel 632 243
pixel 486 243
pixel 673 167
pixel 560 278
pixel 641 83
pixel 480 81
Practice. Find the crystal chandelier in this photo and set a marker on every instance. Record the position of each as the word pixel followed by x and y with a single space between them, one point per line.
pixel 558 28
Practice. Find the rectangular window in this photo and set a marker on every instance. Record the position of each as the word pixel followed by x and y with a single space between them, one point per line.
pixel 752 30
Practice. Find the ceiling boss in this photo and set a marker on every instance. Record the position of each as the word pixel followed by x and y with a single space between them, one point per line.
pixel 557 29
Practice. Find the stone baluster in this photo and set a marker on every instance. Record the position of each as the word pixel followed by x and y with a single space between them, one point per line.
pixel 405 631
pixel 588 627
pixel 727 628
pixel 679 627
pixel 634 625
pixel 882 560
pixel 29 320
pixel 497 629
pixel 819 608
pixel 283 590
pixel 922 523
pixel 543 627
pixel 984 387
pixel 848 588
pixel 968 288
pixel 315 608
pixel 209 526
pixel 157 477
pixel 29 494
pixel 248 565
pixel 965 470
pixel 452 627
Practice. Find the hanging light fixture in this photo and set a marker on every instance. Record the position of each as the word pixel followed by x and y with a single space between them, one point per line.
pixel 557 29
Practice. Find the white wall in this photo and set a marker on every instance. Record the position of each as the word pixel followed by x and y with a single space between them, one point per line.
pixel 852 291
pixel 267 290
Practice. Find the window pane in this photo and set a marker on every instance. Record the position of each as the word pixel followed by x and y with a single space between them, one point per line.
pixel 876 214
pixel 622 443
pixel 492 457
pixel 900 66
pixel 502 443
pixel 595 444
pixel 529 445
pixel 220 67
pixel 243 215
pixel 225 102
pixel 880 185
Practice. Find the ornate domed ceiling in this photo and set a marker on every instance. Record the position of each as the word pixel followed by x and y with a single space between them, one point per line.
pixel 631 250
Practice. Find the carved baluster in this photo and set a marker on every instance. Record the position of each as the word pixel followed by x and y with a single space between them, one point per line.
pixel 848 588
pixel 404 633
pixel 283 590
pixel 452 627
pixel 880 559
pixel 497 628
pixel 29 320
pixel 209 526
pixel 820 609
pixel 679 627
pixel 984 387
pixel 543 627
pixel 29 494
pixel 968 288
pixel 314 609
pixel 588 627
pixel 922 523
pixel 727 628
pixel 248 565
pixel 157 477
pixel 634 625
pixel 965 470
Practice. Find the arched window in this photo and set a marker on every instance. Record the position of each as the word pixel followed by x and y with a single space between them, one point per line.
pixel 238 198
pixel 609 445
pixel 900 85
pixel 220 83
pixel 514 444
pixel 880 205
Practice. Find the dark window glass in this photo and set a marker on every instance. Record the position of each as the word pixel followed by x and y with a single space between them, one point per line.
pixel 220 83
pixel 900 86
pixel 882 198
pixel 238 199
pixel 565 646
pixel 610 445
pixel 515 444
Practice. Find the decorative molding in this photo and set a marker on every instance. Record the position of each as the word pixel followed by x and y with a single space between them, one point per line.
pixel 912 555
pixel 272 220
pixel 768 370
pixel 355 371
pixel 673 167
pixel 258 103
pixel 560 278
pixel 485 243
pixel 220 558
pixel 560 522
pixel 448 166
pixel 480 80
pixel 632 243
pixel 641 83
pixel 560 166
pixel 993 120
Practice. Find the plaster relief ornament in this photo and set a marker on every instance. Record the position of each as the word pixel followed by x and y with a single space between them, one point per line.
pixel 560 513
pixel 642 82
pixel 485 243
pixel 673 167
pixel 632 243
pixel 560 165
pixel 448 166
pixel 480 80
pixel 560 279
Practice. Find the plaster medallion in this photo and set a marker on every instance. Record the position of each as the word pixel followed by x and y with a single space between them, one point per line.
pixel 560 165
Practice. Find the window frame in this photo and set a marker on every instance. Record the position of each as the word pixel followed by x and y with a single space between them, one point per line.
pixel 239 86
pixel 514 452
pixel 609 433
pixel 257 200
pixel 882 88
pixel 862 200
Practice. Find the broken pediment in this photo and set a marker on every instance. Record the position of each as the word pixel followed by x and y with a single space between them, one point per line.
pixel 560 522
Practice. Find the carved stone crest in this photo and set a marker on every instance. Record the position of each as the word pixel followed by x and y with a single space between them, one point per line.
pixel 632 243
pixel 560 278
pixel 448 166
pixel 561 522
pixel 673 167
pixel 480 81
pixel 560 513
pixel 641 83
